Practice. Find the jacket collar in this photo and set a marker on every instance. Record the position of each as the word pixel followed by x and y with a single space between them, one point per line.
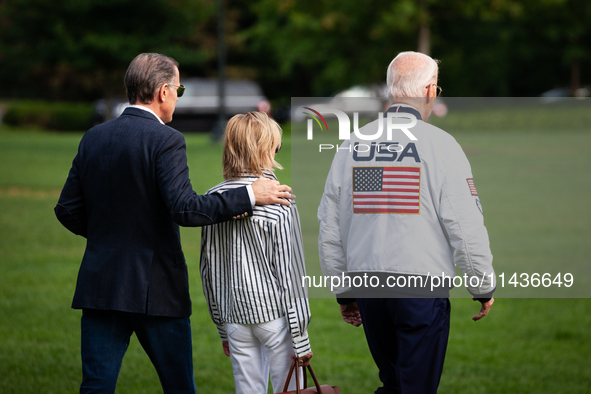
pixel 266 174
pixel 405 109
pixel 140 112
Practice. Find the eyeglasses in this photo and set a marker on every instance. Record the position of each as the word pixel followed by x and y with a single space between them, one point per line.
pixel 278 148
pixel 180 90
pixel 438 88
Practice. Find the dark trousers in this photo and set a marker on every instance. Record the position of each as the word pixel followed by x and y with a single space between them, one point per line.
pixel 166 340
pixel 407 338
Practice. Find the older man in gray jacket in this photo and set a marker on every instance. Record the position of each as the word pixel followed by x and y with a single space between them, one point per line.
pixel 404 213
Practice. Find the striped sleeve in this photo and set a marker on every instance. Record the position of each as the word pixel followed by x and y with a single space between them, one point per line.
pixel 289 260
pixel 206 278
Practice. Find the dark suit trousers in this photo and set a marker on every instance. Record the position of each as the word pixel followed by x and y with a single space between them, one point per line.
pixel 407 338
pixel 166 340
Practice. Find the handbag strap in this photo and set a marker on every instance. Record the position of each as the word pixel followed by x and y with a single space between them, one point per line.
pixel 294 365
pixel 289 377
pixel 297 373
pixel 314 378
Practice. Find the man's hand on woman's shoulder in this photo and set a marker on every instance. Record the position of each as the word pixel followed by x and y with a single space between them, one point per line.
pixel 269 191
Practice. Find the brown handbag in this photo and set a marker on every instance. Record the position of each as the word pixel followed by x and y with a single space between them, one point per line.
pixel 324 389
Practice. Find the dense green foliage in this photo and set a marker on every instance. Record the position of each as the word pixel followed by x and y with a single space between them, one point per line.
pixel 79 49
pixel 48 115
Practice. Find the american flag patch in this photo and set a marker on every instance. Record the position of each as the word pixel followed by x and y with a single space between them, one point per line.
pixel 386 190
pixel 472 187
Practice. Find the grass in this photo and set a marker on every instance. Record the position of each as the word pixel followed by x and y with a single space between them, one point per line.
pixel 536 208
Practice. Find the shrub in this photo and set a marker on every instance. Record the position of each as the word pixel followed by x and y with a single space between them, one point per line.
pixel 61 116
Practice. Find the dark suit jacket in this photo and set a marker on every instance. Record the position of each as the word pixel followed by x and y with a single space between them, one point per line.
pixel 127 193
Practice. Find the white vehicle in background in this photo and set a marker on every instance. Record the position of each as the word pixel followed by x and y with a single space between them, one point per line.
pixel 558 94
pixel 198 109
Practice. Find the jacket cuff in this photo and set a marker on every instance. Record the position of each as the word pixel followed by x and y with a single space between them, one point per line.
pixel 301 345
pixel 484 297
pixel 346 298
pixel 222 332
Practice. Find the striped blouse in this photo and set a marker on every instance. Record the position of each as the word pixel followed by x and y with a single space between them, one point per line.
pixel 252 268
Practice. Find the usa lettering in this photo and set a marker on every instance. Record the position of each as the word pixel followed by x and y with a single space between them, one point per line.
pixel 385 151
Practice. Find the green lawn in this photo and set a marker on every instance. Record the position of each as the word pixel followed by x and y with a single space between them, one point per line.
pixel 523 346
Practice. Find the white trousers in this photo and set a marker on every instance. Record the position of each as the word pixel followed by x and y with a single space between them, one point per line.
pixel 256 350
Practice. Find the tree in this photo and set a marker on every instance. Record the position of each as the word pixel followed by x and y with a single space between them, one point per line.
pixel 322 47
pixel 81 48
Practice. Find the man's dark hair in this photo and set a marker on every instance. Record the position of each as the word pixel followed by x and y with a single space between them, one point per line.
pixel 146 73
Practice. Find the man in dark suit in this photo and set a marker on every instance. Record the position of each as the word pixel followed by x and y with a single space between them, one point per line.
pixel 127 192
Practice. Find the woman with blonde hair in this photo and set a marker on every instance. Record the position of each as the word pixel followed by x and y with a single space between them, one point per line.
pixel 252 267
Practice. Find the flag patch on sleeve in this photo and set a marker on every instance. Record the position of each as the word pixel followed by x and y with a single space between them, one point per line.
pixel 472 187
pixel 393 190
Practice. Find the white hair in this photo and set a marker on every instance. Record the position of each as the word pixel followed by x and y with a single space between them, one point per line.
pixel 410 73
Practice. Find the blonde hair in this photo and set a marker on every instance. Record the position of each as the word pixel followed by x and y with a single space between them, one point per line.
pixel 250 143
